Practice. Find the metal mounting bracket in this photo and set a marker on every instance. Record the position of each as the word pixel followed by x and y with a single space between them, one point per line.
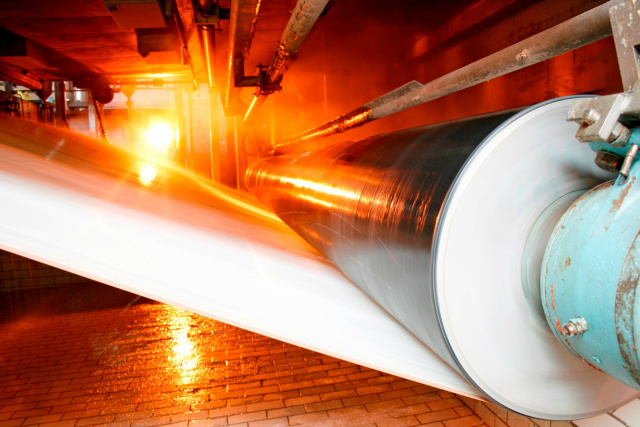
pixel 609 119
pixel 625 26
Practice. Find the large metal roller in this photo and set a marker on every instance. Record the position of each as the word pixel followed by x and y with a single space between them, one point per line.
pixel 445 227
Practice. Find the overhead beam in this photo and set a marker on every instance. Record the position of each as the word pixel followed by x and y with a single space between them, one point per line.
pixel 21 53
pixel 20 77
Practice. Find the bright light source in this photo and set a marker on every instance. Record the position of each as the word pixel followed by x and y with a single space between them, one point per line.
pixel 160 136
pixel 147 174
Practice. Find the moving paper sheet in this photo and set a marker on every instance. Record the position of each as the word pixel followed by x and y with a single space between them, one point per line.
pixel 109 215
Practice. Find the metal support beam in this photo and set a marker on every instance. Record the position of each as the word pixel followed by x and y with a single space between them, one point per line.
pixel 20 77
pixel 576 32
pixel 625 22
pixel 60 103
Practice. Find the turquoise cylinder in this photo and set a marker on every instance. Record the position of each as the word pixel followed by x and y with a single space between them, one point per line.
pixel 589 278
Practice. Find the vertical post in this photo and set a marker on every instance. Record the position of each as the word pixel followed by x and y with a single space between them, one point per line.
pixel 91 112
pixel 214 136
pixel 235 156
pixel 191 147
pixel 61 107
pixel 209 43
pixel 180 126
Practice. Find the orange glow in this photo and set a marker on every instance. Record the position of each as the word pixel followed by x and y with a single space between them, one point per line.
pixel 147 174
pixel 321 188
pixel 160 136
pixel 160 75
pixel 185 355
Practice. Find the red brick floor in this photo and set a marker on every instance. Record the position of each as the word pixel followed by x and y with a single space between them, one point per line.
pixel 85 355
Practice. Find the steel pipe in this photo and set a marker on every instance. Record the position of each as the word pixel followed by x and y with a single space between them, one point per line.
pixel 242 27
pixel 209 42
pixel 576 32
pixel 303 20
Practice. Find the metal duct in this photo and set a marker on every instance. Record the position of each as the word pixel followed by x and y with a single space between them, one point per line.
pixel 432 223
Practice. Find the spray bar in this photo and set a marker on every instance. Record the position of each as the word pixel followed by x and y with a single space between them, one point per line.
pixel 576 32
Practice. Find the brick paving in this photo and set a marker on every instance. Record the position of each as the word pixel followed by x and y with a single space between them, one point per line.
pixel 88 354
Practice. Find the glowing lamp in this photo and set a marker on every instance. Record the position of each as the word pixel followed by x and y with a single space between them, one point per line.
pixel 160 136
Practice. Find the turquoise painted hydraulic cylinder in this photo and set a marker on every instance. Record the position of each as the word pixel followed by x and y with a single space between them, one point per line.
pixel 589 278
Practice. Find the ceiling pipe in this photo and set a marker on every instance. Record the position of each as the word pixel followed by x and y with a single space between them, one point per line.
pixel 208 14
pixel 242 27
pixel 576 32
pixel 303 20
pixel 209 44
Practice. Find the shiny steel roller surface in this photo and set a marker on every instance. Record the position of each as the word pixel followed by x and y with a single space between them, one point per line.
pixel 435 225
pixel 372 207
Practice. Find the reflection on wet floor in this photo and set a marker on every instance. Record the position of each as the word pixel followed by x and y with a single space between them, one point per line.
pixel 90 354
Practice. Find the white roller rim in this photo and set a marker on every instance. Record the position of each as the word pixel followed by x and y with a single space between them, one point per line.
pixel 500 343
